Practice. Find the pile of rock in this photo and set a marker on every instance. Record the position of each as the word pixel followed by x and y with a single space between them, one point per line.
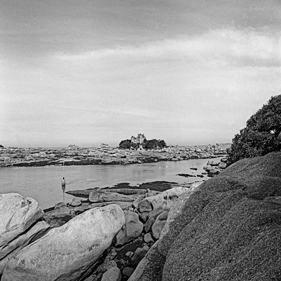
pixel 68 252
pixel 144 221
pixel 101 238
pixel 213 168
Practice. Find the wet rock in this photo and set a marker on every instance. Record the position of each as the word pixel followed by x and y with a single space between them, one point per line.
pixel 59 205
pixel 222 165
pixel 84 193
pixel 224 159
pixel 186 175
pixel 127 191
pixel 101 196
pixel 75 202
pixel 213 163
pixel 213 171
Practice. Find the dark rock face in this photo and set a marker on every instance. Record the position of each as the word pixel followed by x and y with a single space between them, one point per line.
pixel 229 229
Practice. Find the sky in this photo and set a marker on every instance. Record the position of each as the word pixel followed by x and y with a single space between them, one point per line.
pixel 99 71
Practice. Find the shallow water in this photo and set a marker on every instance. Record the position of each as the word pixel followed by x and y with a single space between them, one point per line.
pixel 44 183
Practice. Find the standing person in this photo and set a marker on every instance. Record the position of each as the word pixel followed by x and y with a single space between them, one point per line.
pixel 63 184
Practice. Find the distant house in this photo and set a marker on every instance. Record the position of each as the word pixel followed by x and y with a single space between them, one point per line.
pixel 139 139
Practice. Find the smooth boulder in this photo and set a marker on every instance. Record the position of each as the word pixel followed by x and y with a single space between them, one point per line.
pixel 17 214
pixel 132 229
pixel 70 251
pixel 11 249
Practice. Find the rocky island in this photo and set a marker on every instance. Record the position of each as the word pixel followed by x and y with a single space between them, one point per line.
pixel 103 155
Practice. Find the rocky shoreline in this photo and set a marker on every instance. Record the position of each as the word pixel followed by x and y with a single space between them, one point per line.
pixel 103 155
pixel 150 234
pixel 140 220
pixel 145 209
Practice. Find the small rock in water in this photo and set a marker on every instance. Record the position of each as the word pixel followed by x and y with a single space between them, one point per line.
pixel 75 202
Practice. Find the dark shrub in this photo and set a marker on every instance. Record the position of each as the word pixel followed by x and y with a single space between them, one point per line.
pixel 154 144
pixel 262 133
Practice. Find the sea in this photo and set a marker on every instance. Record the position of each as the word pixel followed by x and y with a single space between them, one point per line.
pixel 44 183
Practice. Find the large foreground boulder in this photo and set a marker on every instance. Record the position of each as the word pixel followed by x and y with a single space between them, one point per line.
pixel 70 251
pixel 228 229
pixel 11 249
pixel 17 214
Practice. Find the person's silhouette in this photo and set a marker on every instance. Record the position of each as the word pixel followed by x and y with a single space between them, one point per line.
pixel 63 185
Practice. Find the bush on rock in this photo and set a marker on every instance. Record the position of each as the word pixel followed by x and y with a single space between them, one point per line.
pixel 262 133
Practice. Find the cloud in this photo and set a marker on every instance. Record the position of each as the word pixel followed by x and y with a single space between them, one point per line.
pixel 215 47
pixel 193 89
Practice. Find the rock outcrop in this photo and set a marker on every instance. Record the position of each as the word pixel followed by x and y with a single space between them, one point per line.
pixel 102 196
pixel 228 229
pixel 70 251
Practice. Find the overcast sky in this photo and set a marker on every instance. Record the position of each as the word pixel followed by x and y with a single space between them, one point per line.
pixel 91 71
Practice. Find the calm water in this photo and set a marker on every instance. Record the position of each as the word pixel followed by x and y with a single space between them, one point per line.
pixel 44 183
